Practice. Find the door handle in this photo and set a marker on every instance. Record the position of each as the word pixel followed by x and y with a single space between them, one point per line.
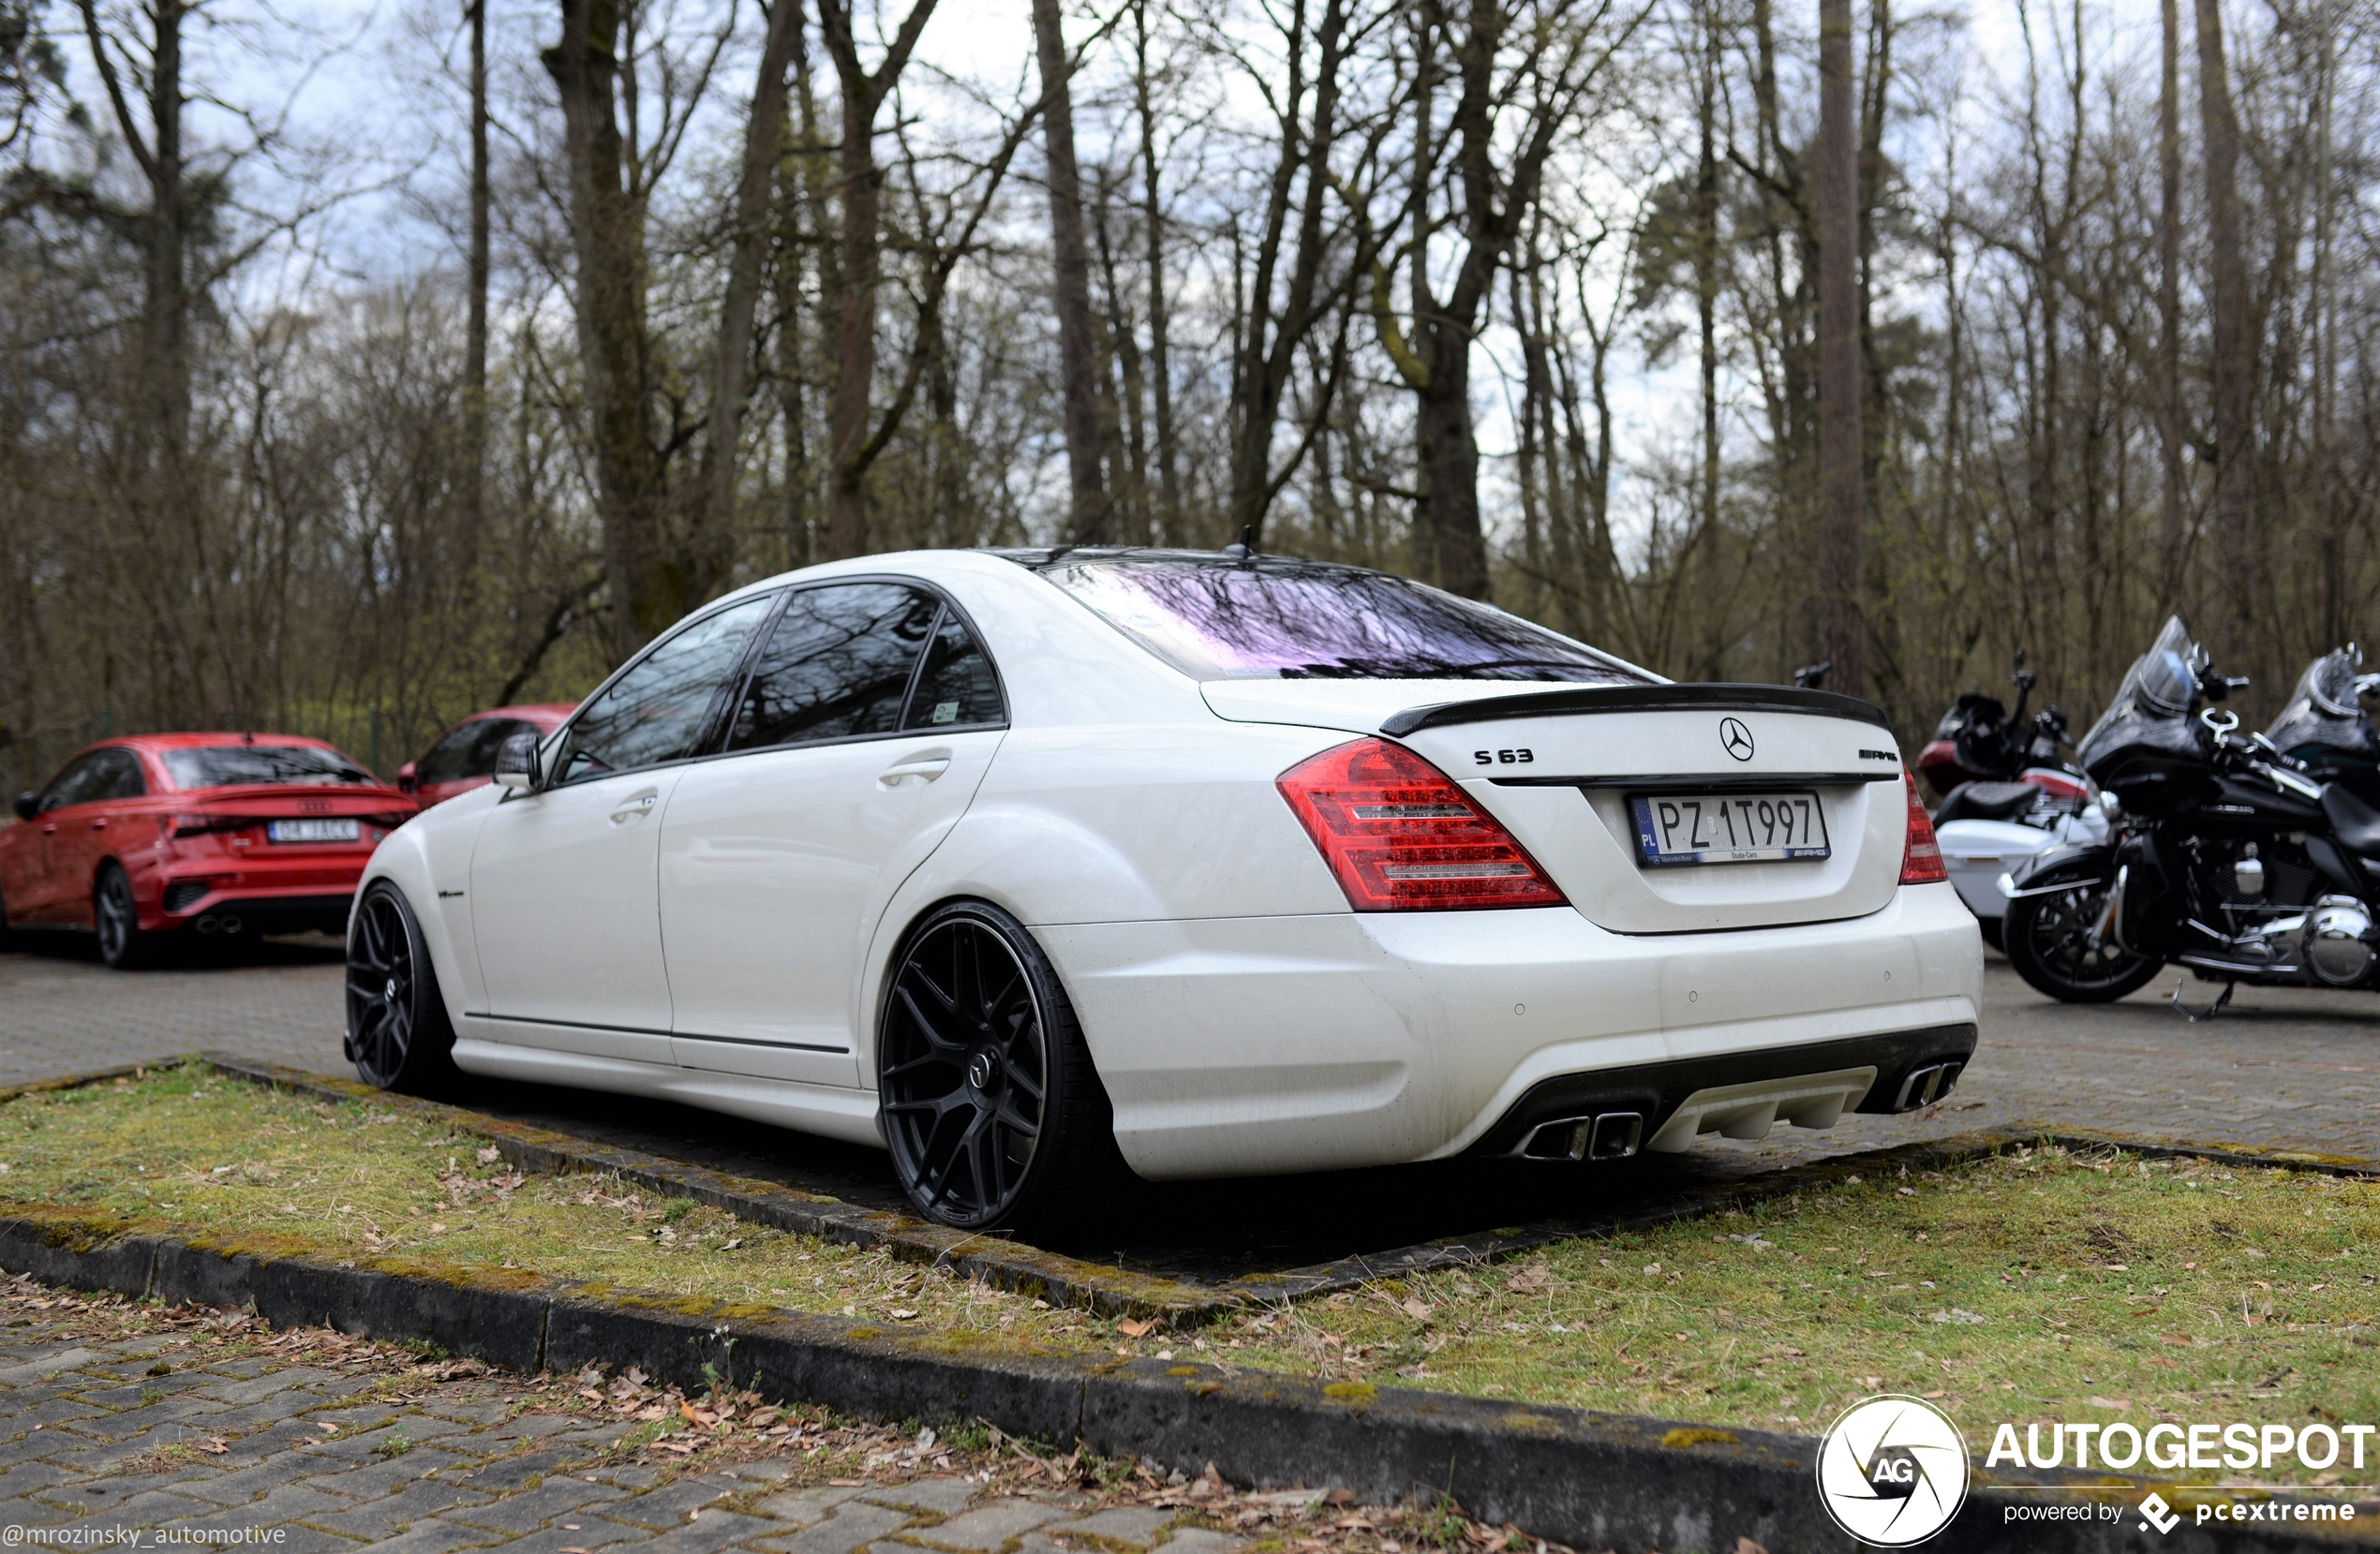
pixel 635 809
pixel 922 769
pixel 98 825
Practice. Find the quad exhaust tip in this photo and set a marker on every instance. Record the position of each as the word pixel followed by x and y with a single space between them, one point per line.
pixel 1606 1136
pixel 1925 1086
pixel 211 923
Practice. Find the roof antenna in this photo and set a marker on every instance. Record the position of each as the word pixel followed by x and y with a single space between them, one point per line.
pixel 1247 548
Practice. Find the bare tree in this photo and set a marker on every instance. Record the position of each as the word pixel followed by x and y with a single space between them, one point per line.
pixel 1842 631
pixel 2232 355
pixel 1070 285
pixel 1541 58
pixel 860 261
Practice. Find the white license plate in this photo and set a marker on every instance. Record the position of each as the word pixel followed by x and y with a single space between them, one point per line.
pixel 1727 828
pixel 311 831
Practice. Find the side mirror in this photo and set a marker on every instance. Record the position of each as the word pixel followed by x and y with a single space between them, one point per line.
pixel 404 781
pixel 516 763
pixel 28 804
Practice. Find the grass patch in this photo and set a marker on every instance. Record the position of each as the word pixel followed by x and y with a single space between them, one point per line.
pixel 188 1149
pixel 2033 1284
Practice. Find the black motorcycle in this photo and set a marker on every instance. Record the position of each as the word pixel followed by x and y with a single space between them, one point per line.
pixel 2229 857
pixel 2324 729
pixel 1988 763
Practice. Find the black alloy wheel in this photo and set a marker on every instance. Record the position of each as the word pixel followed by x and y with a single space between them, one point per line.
pixel 2065 945
pixel 398 1036
pixel 114 912
pixel 994 1114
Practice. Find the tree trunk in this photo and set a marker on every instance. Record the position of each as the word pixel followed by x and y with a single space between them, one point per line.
pixel 608 246
pixel 1070 285
pixel 1152 234
pixel 859 263
pixel 855 324
pixel 475 327
pixel 2172 521
pixel 1706 257
pixel 2232 368
pixel 167 305
pixel 1841 631
pixel 1447 456
pixel 713 548
pixel 803 207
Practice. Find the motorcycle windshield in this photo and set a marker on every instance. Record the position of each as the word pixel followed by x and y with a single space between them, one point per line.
pixel 2151 708
pixel 2323 712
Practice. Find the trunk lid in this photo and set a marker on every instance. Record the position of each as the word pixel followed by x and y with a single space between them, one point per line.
pixel 1559 768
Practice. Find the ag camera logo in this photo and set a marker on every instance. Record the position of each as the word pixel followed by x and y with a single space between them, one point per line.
pixel 1891 1471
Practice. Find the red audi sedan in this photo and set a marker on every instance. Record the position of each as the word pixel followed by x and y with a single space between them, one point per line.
pixel 464 757
pixel 143 837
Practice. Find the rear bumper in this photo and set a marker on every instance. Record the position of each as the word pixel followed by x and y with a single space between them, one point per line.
pixel 310 898
pixel 1737 1091
pixel 1248 1045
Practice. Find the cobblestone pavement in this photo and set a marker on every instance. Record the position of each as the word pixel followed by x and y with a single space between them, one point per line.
pixel 61 1012
pixel 189 1427
pixel 2283 1069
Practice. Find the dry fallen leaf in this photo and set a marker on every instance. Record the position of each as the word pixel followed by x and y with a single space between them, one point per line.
pixel 1418 1309
pixel 903 1314
pixel 1134 1329
pixel 489 1155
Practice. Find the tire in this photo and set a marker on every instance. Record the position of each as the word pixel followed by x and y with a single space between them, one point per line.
pixel 994 1114
pixel 398 1035
pixel 2054 943
pixel 8 937
pixel 117 918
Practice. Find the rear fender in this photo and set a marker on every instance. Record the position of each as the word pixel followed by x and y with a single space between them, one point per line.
pixel 2097 858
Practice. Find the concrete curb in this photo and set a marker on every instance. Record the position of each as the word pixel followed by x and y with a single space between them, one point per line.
pixel 1593 1480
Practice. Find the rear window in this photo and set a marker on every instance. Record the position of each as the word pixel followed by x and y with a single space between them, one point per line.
pixel 241 765
pixel 1276 618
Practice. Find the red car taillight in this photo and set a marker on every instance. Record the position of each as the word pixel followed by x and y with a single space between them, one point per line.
pixel 1921 863
pixel 1401 837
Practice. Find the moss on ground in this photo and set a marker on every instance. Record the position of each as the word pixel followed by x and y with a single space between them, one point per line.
pixel 2034 1284
pixel 237 1165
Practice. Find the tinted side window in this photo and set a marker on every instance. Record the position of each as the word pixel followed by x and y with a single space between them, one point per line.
pixel 655 712
pixel 119 776
pixel 470 750
pixel 450 758
pixel 956 688
pixel 77 784
pixel 836 666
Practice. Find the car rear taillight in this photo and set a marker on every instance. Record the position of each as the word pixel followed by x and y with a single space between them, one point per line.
pixel 1401 837
pixel 1921 863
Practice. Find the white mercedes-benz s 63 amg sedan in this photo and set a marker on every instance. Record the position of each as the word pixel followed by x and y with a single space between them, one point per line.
pixel 1018 861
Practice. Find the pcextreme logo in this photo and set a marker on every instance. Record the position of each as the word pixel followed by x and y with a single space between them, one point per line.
pixel 1891 1471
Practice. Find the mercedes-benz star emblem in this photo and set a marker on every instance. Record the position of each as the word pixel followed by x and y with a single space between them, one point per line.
pixel 1737 737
